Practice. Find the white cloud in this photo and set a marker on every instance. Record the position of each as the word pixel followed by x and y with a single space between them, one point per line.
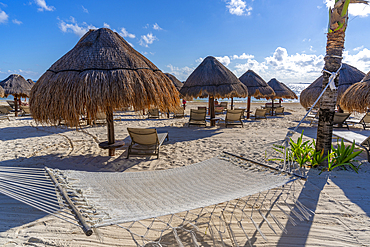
pixel 225 60
pixel 74 27
pixel 355 9
pixel 242 56
pixel 85 10
pixel 43 6
pixel 199 60
pixel 147 39
pixel 3 17
pixel 238 7
pixel 15 21
pixel 358 48
pixel 125 34
pixel 181 73
pixel 106 25
pixel 25 73
pixel 361 60
pixel 157 27
pixel 285 67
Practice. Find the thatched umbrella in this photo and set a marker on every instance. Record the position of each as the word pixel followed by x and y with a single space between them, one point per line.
pixel 348 76
pixel 212 79
pixel 2 94
pixel 357 96
pixel 257 87
pixel 17 86
pixel 101 73
pixel 281 91
pixel 178 84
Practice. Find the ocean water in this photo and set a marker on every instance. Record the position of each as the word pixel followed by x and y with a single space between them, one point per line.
pixel 297 88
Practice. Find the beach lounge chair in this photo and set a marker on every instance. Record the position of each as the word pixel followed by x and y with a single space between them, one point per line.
pixel 365 121
pixel 313 117
pixel 153 113
pixel 260 113
pixel 11 103
pixel 360 140
pixel 234 117
pixel 4 112
pixel 340 119
pixel 179 112
pixel 100 118
pixel 202 108
pixel 279 111
pixel 145 141
pixel 197 117
pixel 219 110
pixel 224 105
pixel 25 110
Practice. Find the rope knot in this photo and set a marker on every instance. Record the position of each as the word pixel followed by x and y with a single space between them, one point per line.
pixel 332 77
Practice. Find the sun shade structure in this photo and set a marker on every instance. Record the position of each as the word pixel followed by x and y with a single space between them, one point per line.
pixel 348 76
pixel 257 87
pixel 281 91
pixel 212 79
pixel 357 97
pixel 101 73
pixel 17 86
pixel 1 92
pixel 178 84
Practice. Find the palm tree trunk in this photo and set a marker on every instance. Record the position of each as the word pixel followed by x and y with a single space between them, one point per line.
pixel 333 59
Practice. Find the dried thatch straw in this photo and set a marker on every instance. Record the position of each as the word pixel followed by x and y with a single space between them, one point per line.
pixel 31 82
pixel 16 85
pixel 1 92
pixel 357 96
pixel 257 87
pixel 178 84
pixel 281 90
pixel 101 72
pixel 348 76
pixel 211 78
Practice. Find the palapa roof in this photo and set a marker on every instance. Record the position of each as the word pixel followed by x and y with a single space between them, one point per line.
pixel 178 84
pixel 348 76
pixel 31 82
pixel 357 96
pixel 1 92
pixel 281 90
pixel 257 87
pixel 212 78
pixel 16 85
pixel 100 72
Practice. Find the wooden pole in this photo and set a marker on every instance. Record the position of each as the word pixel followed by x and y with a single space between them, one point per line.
pixel 85 227
pixel 232 103
pixel 248 107
pixel 272 107
pixel 16 106
pixel 110 126
pixel 212 109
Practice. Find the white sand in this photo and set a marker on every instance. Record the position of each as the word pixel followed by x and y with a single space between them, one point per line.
pixel 340 199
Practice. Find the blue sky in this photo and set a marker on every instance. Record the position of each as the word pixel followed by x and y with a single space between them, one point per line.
pixel 281 39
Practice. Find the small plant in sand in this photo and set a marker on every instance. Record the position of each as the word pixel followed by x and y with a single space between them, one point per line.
pixel 305 154
pixel 341 156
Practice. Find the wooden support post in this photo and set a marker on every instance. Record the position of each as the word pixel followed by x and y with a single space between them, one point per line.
pixel 110 126
pixel 248 107
pixel 16 106
pixel 85 227
pixel 272 107
pixel 212 110
pixel 232 103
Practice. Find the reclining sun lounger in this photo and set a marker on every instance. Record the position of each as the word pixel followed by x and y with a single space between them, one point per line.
pixel 360 140
pixel 365 121
pixel 153 113
pixel 260 113
pixel 234 117
pixel 145 141
pixel 198 117
pixel 340 119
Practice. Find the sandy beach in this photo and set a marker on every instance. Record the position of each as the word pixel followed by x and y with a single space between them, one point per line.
pixel 340 199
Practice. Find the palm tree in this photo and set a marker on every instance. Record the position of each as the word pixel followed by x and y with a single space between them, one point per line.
pixel 338 17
